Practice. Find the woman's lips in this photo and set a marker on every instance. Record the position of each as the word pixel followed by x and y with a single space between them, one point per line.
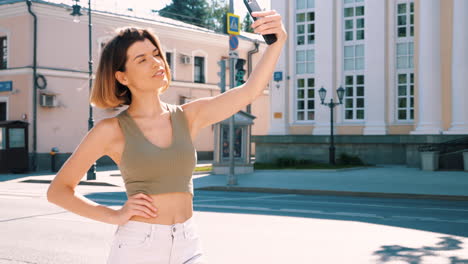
pixel 158 74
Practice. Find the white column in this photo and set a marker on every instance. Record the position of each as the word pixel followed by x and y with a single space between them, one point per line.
pixel 279 90
pixel 375 67
pixel 324 63
pixel 459 123
pixel 428 76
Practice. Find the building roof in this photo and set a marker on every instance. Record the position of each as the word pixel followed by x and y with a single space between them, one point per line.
pixel 104 7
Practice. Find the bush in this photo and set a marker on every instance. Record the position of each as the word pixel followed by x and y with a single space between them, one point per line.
pixel 346 159
pixel 285 162
pixel 291 162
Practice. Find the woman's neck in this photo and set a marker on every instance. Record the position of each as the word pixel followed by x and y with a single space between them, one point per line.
pixel 146 105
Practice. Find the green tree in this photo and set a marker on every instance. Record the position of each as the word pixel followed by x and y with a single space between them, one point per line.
pixel 217 16
pixel 195 12
pixel 248 21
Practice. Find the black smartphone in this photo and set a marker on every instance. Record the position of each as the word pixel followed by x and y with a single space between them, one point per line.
pixel 252 6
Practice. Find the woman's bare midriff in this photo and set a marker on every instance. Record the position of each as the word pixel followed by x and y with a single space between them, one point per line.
pixel 176 207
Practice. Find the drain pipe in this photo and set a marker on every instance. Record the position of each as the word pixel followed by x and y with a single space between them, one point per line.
pixel 34 157
pixel 249 67
pixel 249 107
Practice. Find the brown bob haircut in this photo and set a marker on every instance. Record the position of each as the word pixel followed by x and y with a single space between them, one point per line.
pixel 107 92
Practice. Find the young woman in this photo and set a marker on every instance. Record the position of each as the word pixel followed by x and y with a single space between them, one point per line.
pixel 151 142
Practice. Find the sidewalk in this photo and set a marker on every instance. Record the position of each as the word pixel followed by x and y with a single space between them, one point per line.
pixel 387 181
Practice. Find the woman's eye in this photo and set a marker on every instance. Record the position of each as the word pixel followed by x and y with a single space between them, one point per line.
pixel 155 55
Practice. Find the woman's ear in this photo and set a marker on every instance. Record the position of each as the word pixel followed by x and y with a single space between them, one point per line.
pixel 121 78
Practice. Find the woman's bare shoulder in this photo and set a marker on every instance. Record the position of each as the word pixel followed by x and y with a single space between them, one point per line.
pixel 108 128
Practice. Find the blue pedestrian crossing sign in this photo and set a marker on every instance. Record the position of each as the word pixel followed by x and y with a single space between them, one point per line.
pixel 233 24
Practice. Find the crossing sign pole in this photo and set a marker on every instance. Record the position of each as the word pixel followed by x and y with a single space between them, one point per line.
pixel 232 29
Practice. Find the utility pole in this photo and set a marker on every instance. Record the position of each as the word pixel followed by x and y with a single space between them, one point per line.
pixel 232 179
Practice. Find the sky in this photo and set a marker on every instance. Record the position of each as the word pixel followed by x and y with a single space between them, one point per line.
pixel 239 8
pixel 145 6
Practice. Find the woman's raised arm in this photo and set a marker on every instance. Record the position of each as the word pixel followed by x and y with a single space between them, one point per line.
pixel 210 110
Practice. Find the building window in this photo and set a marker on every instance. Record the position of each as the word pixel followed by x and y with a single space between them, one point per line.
pixel 305 61
pixel 405 19
pixel 303 4
pixel 354 20
pixel 2 138
pixel 199 69
pixel 305 22
pixel 305 99
pixel 354 97
pixel 405 60
pixel 171 64
pixel 406 96
pixel 3 52
pixel 354 57
pixel 3 111
pixel 238 150
pixel 405 55
pixel 305 28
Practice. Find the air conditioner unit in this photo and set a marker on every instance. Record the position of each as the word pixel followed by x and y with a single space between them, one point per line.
pixel 185 99
pixel 48 100
pixel 184 59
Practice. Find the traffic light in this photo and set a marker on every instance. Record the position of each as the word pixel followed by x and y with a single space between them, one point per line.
pixel 240 72
pixel 222 75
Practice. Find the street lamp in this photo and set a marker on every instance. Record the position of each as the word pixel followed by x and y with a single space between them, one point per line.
pixel 91 175
pixel 76 12
pixel 322 93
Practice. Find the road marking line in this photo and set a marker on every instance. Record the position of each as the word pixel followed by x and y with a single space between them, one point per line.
pixel 329 213
pixel 377 205
pixel 246 198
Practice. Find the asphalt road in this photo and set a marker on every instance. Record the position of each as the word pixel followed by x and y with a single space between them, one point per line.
pixel 241 227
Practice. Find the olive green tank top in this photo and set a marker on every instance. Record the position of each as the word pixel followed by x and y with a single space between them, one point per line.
pixel 149 169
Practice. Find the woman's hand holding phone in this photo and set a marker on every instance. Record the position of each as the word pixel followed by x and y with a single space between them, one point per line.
pixel 269 22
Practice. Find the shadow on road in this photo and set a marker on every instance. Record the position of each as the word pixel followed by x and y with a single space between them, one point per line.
pixel 409 255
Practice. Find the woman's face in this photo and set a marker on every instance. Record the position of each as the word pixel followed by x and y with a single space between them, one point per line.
pixel 145 68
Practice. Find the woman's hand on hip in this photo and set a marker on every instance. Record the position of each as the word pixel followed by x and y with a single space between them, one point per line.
pixel 139 204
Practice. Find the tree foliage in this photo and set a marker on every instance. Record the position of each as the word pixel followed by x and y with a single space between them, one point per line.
pixel 216 19
pixel 211 15
pixel 248 21
pixel 195 12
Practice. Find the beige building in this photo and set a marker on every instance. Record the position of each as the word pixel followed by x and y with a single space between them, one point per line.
pixel 62 62
pixel 403 63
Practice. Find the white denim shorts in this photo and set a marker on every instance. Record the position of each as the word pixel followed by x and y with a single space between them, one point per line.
pixel 143 243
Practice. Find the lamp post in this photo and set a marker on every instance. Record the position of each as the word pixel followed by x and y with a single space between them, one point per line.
pixel 322 92
pixel 91 175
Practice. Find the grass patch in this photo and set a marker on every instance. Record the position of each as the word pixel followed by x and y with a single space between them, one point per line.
pixel 204 168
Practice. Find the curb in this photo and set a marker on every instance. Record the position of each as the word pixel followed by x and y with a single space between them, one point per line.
pixel 336 193
pixel 313 170
pixel 80 183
